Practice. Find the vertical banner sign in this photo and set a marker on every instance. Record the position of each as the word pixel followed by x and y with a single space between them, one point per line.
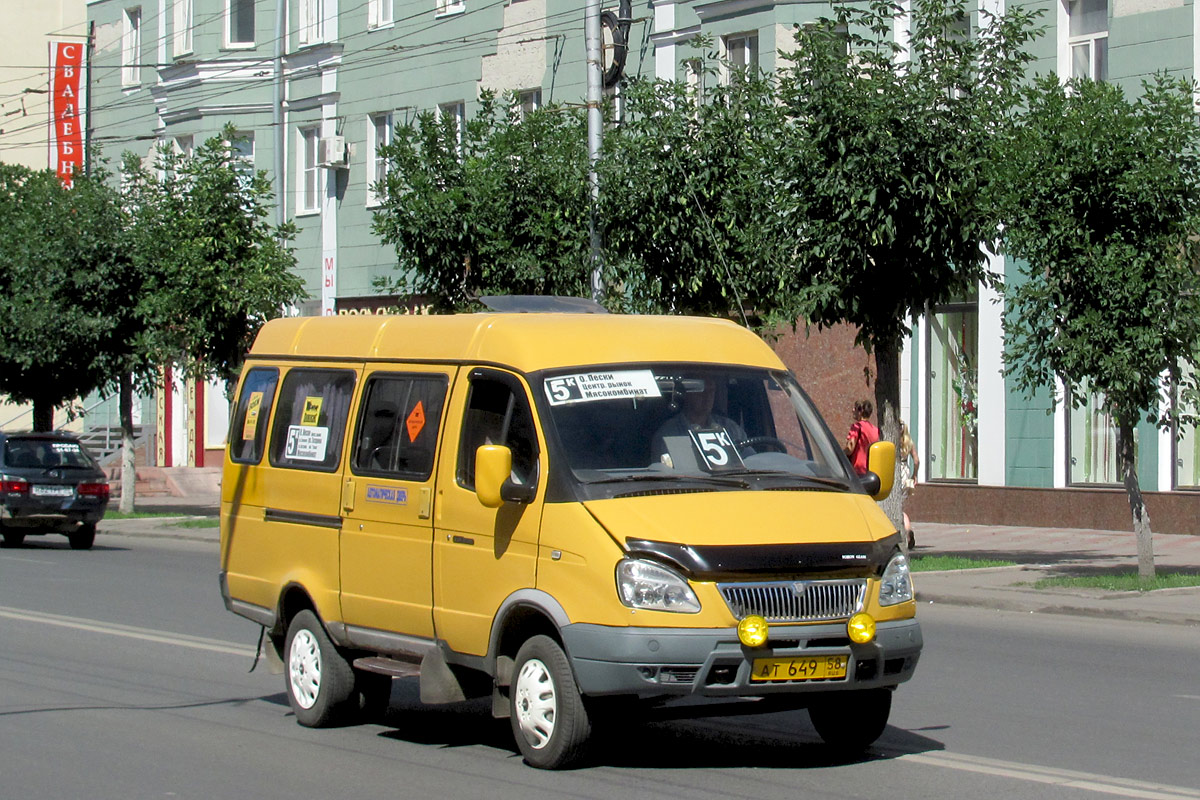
pixel 329 284
pixel 66 128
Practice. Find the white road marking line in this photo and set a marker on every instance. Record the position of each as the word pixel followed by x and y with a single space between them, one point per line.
pixel 1121 787
pixel 127 631
pixel 29 560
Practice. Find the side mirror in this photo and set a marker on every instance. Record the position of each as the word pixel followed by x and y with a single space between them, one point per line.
pixel 881 466
pixel 493 478
pixel 493 465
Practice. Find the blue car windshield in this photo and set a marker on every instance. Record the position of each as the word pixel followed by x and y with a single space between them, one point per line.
pixel 661 420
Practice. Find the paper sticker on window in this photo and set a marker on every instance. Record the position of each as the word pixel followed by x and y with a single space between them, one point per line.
pixel 253 406
pixel 312 411
pixel 415 422
pixel 306 443
pixel 591 386
pixel 717 447
pixel 64 447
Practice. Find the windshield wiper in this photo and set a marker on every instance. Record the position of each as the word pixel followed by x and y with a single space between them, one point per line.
pixel 778 473
pixel 714 479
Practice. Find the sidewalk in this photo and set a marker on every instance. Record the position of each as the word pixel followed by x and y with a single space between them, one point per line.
pixel 1049 552
pixel 1038 553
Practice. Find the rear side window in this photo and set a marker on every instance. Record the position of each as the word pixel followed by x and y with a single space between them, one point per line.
pixel 310 420
pixel 398 426
pixel 37 453
pixel 248 429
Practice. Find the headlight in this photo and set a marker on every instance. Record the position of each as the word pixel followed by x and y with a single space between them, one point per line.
pixel 896 584
pixel 643 584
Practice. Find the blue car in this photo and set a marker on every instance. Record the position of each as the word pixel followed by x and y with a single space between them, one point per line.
pixel 49 484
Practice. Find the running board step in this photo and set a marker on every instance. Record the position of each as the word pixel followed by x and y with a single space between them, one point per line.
pixel 388 666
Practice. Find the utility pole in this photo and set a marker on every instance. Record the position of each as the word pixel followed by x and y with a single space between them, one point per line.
pixel 595 80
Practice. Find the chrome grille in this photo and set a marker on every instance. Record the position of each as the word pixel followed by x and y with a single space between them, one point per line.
pixel 796 601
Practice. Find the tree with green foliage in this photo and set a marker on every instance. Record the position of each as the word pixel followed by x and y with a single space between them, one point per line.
pixel 1104 211
pixel 500 207
pixel 889 162
pixel 211 270
pixel 688 198
pixel 61 273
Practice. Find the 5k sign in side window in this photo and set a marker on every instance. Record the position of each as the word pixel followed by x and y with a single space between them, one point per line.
pixel 310 422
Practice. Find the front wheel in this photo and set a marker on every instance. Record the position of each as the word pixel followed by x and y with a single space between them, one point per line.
pixel 850 722
pixel 320 682
pixel 549 720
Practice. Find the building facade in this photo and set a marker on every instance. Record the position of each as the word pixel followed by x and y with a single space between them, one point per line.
pixel 315 87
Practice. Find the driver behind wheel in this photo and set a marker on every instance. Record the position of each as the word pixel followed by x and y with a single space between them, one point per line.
pixel 696 413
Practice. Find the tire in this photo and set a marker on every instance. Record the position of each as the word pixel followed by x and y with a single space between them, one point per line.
pixel 850 722
pixel 549 720
pixel 320 682
pixel 12 537
pixel 83 537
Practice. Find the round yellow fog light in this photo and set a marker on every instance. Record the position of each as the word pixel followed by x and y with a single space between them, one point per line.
pixel 752 631
pixel 861 628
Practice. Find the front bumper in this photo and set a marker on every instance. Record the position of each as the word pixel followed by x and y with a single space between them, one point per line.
pixel 713 663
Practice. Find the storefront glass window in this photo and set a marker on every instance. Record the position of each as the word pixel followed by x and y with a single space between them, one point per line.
pixel 953 392
pixel 1093 445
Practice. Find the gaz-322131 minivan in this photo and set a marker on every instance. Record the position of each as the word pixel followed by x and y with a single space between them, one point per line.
pixel 572 513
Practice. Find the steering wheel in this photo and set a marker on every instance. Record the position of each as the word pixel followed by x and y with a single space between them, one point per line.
pixel 757 442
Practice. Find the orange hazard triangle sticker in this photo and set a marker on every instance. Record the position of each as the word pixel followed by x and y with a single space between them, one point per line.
pixel 415 422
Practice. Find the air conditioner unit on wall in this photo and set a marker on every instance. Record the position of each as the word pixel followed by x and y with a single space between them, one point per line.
pixel 332 152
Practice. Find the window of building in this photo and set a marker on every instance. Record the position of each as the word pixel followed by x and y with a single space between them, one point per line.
pixel 457 114
pixel 182 30
pixel 529 100
pixel 310 422
pixel 741 52
pixel 307 180
pixel 248 428
pixel 131 47
pixel 498 413
pixel 312 21
pixel 1092 444
pixel 397 430
pixel 185 145
pixel 1088 38
pixel 241 149
pixel 953 392
pixel 379 135
pixel 379 13
pixel 450 6
pixel 1186 455
pixel 239 23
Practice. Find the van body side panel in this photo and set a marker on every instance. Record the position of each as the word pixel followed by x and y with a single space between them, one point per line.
pixel 480 555
pixel 387 534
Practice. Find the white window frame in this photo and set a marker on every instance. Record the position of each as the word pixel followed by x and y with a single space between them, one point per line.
pixel 181 34
pixel 529 100
pixel 446 7
pixel 749 44
pixel 1097 69
pixel 229 27
pixel 308 196
pixel 312 22
pixel 185 145
pixel 377 124
pixel 379 14
pixel 131 46
pixel 242 157
pixel 458 111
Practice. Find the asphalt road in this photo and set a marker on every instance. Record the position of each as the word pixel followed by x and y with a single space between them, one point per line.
pixel 122 676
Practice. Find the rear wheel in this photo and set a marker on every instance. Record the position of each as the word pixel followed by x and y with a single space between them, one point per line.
pixel 12 538
pixel 320 682
pixel 83 537
pixel 850 722
pixel 549 720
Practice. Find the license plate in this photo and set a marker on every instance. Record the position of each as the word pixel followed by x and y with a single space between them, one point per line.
pixel 804 668
pixel 52 491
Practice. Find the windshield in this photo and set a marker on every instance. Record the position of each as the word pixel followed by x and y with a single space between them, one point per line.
pixel 718 425
pixel 44 453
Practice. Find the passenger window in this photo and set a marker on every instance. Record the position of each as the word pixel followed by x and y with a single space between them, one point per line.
pixel 498 413
pixel 310 422
pixel 398 426
pixel 248 430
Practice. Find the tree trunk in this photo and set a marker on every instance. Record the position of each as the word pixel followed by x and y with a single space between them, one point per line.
pixel 887 402
pixel 128 470
pixel 43 415
pixel 1137 506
